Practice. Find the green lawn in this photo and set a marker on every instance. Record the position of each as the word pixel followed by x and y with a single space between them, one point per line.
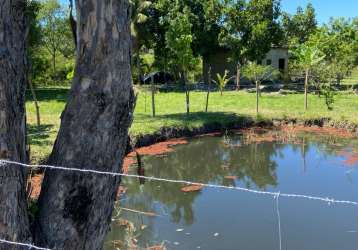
pixel 171 110
pixel 353 78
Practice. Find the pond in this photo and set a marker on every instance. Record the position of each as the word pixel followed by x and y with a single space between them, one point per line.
pixel 158 213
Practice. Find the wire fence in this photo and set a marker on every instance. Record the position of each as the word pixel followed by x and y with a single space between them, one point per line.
pixel 274 195
pixel 14 243
pixel 185 182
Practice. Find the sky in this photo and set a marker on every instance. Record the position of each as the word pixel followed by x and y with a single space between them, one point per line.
pixel 324 8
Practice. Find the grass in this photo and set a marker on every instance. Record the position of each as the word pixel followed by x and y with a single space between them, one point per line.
pixel 352 79
pixel 170 110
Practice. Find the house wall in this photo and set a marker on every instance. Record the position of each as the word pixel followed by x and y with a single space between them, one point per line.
pixel 220 62
pixel 275 55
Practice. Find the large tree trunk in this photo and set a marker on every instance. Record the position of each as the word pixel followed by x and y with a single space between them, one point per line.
pixel 14 224
pixel 75 208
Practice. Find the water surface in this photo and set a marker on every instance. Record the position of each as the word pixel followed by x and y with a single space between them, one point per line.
pixel 227 219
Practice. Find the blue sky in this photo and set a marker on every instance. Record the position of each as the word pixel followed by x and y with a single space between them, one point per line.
pixel 324 8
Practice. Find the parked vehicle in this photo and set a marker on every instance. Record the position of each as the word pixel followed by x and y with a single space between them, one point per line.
pixel 158 77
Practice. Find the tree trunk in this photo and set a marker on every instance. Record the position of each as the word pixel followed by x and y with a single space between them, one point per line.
pixel 74 208
pixel 339 79
pixel 139 67
pixel 208 93
pixel 54 62
pixel 31 86
pixel 238 75
pixel 145 102
pixel 153 98
pixel 73 24
pixel 257 96
pixel 14 224
pixel 187 93
pixel 306 90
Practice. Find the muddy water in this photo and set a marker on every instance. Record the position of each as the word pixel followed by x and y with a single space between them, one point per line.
pixel 222 219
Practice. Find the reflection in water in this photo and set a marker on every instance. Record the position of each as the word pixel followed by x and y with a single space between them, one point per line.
pixel 226 161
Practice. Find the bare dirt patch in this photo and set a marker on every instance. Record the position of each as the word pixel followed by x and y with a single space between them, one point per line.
pixel 192 188
pixel 160 148
pixel 35 186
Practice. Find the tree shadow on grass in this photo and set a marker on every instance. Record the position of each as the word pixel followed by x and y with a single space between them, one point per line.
pixel 39 135
pixel 48 94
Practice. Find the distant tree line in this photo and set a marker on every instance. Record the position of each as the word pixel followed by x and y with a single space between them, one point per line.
pixel 168 35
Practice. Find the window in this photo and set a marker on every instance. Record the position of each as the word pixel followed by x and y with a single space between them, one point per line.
pixel 268 62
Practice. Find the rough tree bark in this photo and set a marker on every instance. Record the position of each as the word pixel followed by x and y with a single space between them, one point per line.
pixel 76 208
pixel 14 224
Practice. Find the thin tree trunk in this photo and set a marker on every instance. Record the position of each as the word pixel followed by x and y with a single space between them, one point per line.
pixel 257 96
pixel 208 92
pixel 74 208
pixel 153 98
pixel 339 79
pixel 38 118
pixel 14 224
pixel 187 94
pixel 54 62
pixel 73 24
pixel 145 102
pixel 139 67
pixel 165 75
pixel 306 90
pixel 238 75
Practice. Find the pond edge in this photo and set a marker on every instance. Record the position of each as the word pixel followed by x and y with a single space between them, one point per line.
pixel 167 133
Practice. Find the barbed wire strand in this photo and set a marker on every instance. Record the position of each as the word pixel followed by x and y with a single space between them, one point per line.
pixel 152 178
pixel 30 246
